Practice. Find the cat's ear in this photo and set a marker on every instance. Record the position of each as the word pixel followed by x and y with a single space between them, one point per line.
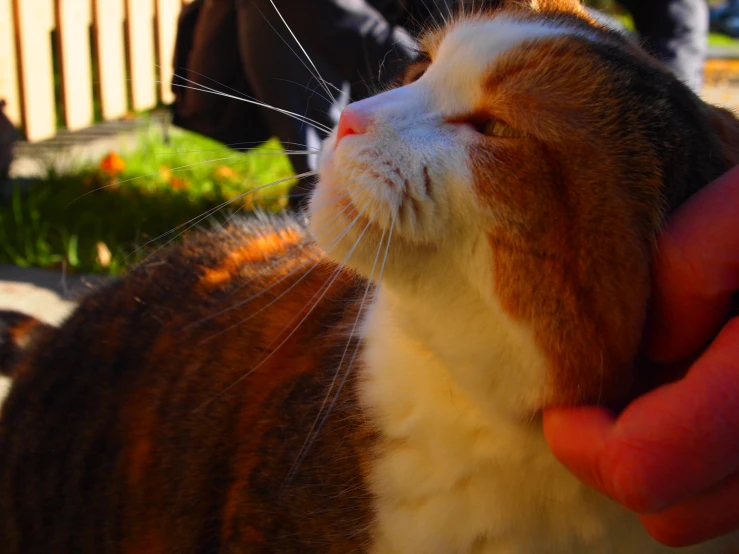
pixel 552 6
pixel 726 126
pixel 566 6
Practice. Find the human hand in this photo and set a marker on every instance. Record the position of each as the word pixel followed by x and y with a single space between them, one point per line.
pixel 672 456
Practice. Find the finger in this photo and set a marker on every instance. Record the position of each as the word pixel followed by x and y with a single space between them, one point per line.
pixel 578 437
pixel 696 271
pixel 669 445
pixel 587 442
pixel 710 515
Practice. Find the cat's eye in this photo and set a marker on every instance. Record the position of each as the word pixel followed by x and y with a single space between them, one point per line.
pixel 496 128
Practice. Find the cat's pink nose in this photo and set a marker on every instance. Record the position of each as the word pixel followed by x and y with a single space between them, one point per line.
pixel 351 122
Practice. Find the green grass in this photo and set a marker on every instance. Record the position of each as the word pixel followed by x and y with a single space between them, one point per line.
pixel 714 39
pixel 73 218
pixel 722 41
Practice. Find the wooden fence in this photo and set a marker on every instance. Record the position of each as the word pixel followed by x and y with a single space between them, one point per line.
pixel 81 56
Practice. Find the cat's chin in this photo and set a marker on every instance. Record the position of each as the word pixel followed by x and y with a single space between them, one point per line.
pixel 346 235
pixel 355 239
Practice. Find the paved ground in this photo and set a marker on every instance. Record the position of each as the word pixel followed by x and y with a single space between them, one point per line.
pixel 47 295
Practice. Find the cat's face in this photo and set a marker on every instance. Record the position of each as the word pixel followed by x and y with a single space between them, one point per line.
pixel 546 139
pixel 476 142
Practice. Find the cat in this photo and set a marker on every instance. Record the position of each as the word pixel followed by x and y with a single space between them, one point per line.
pixel 478 249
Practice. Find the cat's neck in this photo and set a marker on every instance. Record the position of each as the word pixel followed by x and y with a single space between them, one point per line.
pixel 469 337
pixel 448 381
pixel 444 383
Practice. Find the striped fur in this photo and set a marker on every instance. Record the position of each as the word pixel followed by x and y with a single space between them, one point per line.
pixel 170 443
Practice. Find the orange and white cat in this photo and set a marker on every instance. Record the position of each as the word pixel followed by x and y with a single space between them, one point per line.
pixel 485 233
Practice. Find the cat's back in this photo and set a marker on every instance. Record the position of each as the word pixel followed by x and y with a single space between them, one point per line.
pixel 184 394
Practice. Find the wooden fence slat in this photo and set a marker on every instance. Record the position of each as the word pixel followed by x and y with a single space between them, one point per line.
pixel 73 21
pixel 109 16
pixel 35 21
pixel 128 35
pixel 140 18
pixel 167 12
pixel 8 65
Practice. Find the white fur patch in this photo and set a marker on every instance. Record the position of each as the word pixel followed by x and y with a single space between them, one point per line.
pixel 467 52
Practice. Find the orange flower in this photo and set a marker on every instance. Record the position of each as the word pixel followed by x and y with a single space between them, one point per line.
pixel 165 173
pixel 178 183
pixel 224 172
pixel 112 164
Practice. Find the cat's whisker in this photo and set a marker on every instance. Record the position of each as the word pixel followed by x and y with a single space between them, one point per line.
pixel 203 88
pixel 322 416
pixel 214 81
pixel 273 283
pixel 195 220
pixel 449 9
pixel 319 126
pixel 440 13
pixel 117 183
pixel 320 294
pixel 315 69
pixel 437 11
pixel 258 142
pixel 345 193
pixel 316 205
pixel 219 207
pixel 333 242
pixel 243 97
pixel 252 152
pixel 321 82
pixel 266 289
pixel 415 21
pixel 306 87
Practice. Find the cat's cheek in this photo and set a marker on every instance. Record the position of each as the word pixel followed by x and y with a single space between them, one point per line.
pixel 328 218
pixel 328 189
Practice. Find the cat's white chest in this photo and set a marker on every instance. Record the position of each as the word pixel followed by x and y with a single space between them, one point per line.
pixel 452 478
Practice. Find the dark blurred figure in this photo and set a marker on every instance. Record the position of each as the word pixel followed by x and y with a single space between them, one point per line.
pixel 675 31
pixel 8 135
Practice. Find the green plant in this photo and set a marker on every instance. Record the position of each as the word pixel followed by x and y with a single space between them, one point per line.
pixel 106 217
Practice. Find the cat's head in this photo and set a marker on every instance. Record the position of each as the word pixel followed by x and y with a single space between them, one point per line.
pixel 539 153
